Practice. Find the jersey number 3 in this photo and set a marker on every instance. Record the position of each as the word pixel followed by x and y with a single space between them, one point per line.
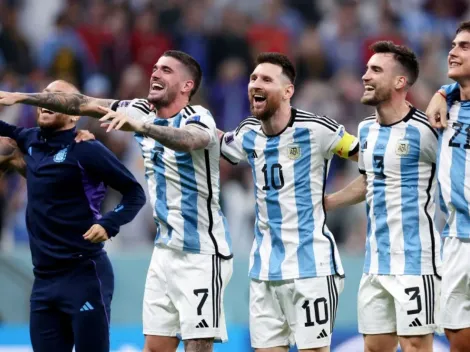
pixel 379 167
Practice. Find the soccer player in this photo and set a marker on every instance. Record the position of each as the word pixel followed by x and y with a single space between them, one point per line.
pixel 453 156
pixel 192 260
pixel 295 269
pixel 400 286
pixel 66 183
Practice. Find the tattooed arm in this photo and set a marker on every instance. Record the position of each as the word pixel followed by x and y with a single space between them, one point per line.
pixel 66 103
pixel 180 139
pixel 11 157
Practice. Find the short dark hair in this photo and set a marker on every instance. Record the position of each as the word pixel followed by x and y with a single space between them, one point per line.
pixel 191 64
pixel 464 26
pixel 404 55
pixel 278 59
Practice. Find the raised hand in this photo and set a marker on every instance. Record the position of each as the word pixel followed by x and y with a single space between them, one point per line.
pixel 118 121
pixel 8 98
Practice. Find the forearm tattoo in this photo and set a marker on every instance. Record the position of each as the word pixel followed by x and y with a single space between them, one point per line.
pixel 199 345
pixel 66 103
pixel 178 139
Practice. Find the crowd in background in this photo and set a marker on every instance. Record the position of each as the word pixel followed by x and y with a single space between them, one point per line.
pixel 108 47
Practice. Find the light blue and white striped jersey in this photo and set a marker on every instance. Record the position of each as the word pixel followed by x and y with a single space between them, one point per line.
pixel 289 171
pixel 454 166
pixel 183 186
pixel 399 162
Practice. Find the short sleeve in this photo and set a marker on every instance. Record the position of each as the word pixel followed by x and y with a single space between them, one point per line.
pixel 231 147
pixel 138 109
pixel 429 143
pixel 360 160
pixel 452 93
pixel 201 118
pixel 333 139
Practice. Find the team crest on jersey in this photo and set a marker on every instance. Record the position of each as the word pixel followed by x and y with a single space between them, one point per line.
pixel 293 151
pixel 60 156
pixel 402 148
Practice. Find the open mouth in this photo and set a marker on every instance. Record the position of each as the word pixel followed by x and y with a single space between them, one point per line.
pixel 454 64
pixel 258 98
pixel 369 88
pixel 156 87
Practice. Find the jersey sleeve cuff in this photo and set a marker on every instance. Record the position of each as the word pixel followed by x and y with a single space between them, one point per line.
pixel 361 171
pixel 227 158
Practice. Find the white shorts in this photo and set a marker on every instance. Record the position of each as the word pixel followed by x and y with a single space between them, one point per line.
pixel 455 295
pixel 404 304
pixel 288 312
pixel 184 295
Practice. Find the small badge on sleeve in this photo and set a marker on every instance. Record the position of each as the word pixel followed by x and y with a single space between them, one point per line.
pixel 229 138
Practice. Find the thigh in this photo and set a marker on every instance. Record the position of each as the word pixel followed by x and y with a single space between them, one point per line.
pixel 88 300
pixel 161 343
pixel 314 301
pixel 50 329
pixel 268 322
pixel 416 298
pixel 196 289
pixel 375 307
pixel 160 316
pixel 459 339
pixel 455 293
pixel 380 343
pixel 422 343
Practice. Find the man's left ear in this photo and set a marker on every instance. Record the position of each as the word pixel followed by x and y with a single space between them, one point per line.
pixel 289 92
pixel 401 82
pixel 188 86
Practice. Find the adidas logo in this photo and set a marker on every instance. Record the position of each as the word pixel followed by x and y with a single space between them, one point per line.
pixel 86 306
pixel 322 334
pixel 202 324
pixel 254 155
pixel 416 322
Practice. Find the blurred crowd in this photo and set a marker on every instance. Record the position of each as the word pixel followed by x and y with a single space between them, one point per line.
pixel 108 47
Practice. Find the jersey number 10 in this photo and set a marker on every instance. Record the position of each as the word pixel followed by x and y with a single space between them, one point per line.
pixel 270 175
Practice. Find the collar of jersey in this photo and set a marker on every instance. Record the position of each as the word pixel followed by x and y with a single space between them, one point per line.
pixel 406 118
pixel 293 112
pixel 58 138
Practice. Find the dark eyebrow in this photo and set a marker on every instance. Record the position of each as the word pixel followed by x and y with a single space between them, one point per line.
pixel 461 43
pixel 166 67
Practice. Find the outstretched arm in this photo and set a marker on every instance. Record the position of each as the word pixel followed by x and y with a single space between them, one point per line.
pixel 353 193
pixel 66 103
pixel 183 139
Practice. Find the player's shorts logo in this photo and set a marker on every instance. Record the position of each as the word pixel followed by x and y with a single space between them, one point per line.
pixel 60 156
pixel 293 151
pixel 402 148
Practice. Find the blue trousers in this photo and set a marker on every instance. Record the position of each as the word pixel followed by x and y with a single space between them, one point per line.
pixel 73 308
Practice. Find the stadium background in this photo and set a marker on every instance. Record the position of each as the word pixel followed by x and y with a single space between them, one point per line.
pixel 108 48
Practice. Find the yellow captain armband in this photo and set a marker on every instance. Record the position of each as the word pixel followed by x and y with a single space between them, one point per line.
pixel 347 146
